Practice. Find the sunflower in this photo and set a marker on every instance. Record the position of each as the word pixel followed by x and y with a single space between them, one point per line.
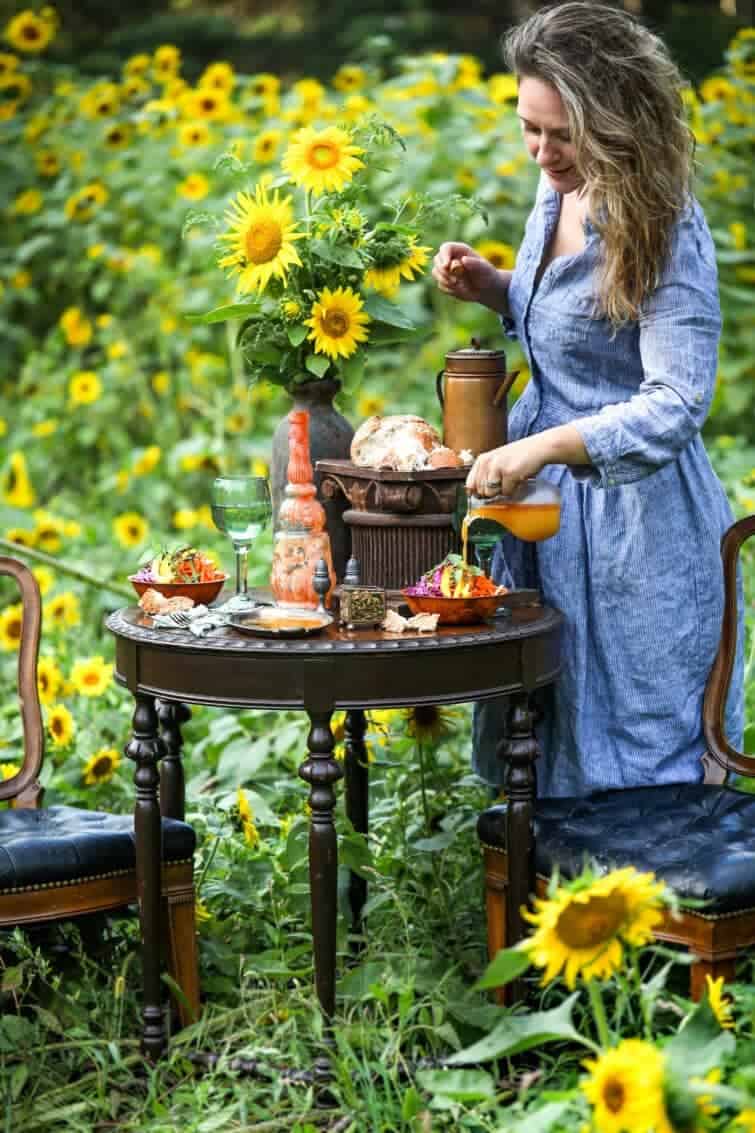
pixel 15 88
pixel 8 63
pixel 720 1005
pixel 84 387
pixel 717 89
pixel 49 679
pixel 48 532
pixel 9 771
pixel 581 927
pixel 338 322
pixel 134 89
pixel 21 536
pixel 370 404
pixel 101 766
pixel 501 256
pixel 745 1121
pixel 76 328
pixel 147 460
pixel 206 104
pixel 160 382
pixel 83 204
pixel 261 239
pixel 10 626
pixel 62 610
pixel 427 723
pixel 137 64
pixel 130 529
pixel 45 579
pixel 27 203
pixel 266 146
pixel 101 101
pixel 246 814
pixel 218 76
pixel 349 78
pixel 166 63
pixel 503 88
pixel 626 1089
pixel 323 161
pixel 47 163
pixel 60 725
pixel 194 187
pixel 29 33
pixel 117 136
pixel 192 134
pixel 15 485
pixel 264 85
pixel 91 676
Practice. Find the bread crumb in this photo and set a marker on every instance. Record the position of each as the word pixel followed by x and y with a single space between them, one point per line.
pixel 425 623
pixel 393 622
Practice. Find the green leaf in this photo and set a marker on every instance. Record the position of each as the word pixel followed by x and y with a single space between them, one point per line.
pixel 541 1120
pixel 461 1085
pixel 700 1044
pixel 263 355
pixel 506 965
pixel 516 1033
pixel 384 311
pixel 342 254
pixel 222 314
pixel 297 334
pixel 317 364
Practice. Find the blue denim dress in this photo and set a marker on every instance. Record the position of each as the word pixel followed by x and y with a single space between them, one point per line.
pixel 636 566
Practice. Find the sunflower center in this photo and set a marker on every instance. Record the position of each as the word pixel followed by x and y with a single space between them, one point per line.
pixel 30 32
pixel 335 323
pixel 592 924
pixel 323 155
pixel 13 629
pixel 56 726
pixel 613 1095
pixel 262 241
pixel 102 766
pixel 91 679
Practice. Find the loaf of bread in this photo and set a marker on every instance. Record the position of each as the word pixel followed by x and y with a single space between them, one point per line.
pixel 401 442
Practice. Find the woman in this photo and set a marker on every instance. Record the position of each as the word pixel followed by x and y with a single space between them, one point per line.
pixel 614 300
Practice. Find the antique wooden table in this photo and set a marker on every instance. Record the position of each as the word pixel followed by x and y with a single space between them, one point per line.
pixel 353 670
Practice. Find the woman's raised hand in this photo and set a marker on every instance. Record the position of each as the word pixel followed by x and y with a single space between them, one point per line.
pixel 460 271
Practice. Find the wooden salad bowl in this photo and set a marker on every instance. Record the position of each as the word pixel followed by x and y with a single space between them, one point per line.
pixel 202 592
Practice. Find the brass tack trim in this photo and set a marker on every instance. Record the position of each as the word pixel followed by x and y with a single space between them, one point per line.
pixel 81 880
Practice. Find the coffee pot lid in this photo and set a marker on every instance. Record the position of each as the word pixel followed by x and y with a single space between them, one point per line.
pixel 475 359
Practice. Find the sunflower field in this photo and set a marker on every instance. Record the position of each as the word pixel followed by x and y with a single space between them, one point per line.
pixel 127 203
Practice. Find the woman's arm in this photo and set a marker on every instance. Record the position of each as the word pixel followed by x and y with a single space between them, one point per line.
pixel 678 344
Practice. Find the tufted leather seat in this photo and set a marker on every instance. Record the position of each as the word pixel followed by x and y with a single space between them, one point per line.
pixel 700 840
pixel 59 845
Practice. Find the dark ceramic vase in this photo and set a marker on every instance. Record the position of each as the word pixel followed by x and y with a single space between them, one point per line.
pixel 330 437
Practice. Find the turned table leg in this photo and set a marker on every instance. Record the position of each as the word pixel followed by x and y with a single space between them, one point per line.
pixel 357 802
pixel 146 749
pixel 172 714
pixel 322 771
pixel 519 751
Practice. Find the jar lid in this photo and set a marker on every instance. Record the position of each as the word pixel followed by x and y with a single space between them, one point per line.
pixel 476 360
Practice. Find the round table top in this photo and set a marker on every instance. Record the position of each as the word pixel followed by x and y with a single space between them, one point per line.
pixel 339 667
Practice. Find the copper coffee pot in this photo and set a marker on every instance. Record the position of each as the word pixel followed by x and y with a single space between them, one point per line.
pixel 473 398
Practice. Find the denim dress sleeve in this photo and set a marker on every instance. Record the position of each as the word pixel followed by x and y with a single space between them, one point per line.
pixel 678 342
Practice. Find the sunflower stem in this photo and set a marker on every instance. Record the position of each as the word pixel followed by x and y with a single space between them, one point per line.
pixel 423 786
pixel 599 1014
pixel 64 568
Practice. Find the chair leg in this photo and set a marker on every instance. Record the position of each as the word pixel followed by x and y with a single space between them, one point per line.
pixel 183 958
pixel 710 967
pixel 496 884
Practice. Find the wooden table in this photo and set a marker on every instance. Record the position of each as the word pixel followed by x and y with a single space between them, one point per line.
pixel 353 670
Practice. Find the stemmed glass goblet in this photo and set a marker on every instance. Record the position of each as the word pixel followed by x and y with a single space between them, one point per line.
pixel 241 509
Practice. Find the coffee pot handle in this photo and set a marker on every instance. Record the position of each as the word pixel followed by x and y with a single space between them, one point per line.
pixel 504 387
pixel 439 387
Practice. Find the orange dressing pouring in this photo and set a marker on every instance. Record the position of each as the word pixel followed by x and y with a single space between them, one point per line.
pixel 530 522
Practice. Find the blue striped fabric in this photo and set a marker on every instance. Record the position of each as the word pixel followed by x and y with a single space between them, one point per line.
pixel 635 566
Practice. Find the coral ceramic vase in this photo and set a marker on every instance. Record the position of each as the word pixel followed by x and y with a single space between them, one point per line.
pixel 301 539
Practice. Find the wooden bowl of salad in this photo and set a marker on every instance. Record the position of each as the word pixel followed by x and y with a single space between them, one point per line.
pixel 185 573
pixel 457 593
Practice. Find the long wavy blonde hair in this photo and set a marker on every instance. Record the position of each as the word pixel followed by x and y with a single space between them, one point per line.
pixel 622 95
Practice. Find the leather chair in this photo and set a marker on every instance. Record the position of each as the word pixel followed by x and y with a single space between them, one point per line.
pixel 61 862
pixel 698 838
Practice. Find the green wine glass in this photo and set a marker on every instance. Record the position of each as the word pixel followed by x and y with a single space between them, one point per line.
pixel 241 508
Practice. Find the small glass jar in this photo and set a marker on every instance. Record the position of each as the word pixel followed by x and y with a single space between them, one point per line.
pixel 361 607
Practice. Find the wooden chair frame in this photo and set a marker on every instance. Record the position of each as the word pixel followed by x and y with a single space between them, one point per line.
pixel 715 939
pixel 36 904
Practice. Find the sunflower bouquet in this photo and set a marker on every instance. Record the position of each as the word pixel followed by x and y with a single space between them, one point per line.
pixel 318 259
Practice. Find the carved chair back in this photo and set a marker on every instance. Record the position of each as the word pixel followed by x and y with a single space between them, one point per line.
pixel 24 787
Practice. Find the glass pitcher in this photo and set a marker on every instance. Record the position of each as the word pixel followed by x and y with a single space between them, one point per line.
pixel 532 512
